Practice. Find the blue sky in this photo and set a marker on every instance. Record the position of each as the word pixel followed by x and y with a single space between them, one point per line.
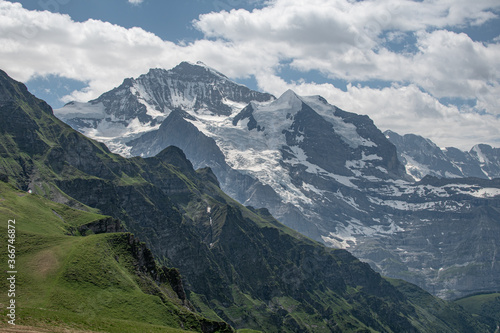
pixel 425 67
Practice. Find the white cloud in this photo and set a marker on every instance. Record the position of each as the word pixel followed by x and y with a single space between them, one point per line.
pixel 136 2
pixel 452 65
pixel 341 21
pixel 340 38
pixel 41 43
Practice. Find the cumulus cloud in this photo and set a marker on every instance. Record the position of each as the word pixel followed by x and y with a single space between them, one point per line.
pixel 283 19
pixel 452 65
pixel 136 2
pixel 342 39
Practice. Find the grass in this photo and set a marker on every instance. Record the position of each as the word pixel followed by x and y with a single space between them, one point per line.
pixel 34 214
pixel 487 305
pixel 74 282
pixel 428 308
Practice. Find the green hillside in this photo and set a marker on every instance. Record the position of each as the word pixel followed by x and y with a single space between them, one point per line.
pixel 89 282
pixel 486 306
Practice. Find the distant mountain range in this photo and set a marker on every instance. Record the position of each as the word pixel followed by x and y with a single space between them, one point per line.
pixel 327 173
pixel 422 157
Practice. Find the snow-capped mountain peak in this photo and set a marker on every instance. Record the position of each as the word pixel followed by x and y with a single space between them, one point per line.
pixel 140 105
pixel 289 99
pixel 277 115
pixel 477 150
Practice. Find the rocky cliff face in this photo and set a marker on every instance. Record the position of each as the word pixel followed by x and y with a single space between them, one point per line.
pixel 239 264
pixel 489 159
pixel 107 225
pixel 145 265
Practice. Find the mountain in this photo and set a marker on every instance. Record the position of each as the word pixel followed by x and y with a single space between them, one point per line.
pixel 237 263
pixel 140 105
pixel 423 157
pixel 333 176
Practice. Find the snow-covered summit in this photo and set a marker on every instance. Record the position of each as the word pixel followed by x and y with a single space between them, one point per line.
pixel 139 105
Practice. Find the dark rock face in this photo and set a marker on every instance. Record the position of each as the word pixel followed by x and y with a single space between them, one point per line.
pixel 489 159
pixel 107 225
pixel 4 178
pixel 147 268
pixel 145 264
pixel 465 162
pixel 177 131
pixel 247 113
pixel 325 147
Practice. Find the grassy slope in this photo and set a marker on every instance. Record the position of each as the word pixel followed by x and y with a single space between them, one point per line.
pixel 485 306
pixel 435 314
pixel 73 281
